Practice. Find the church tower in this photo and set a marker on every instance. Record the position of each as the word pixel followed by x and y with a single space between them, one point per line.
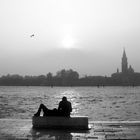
pixel 124 63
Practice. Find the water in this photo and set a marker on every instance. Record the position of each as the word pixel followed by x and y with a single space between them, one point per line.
pixel 99 104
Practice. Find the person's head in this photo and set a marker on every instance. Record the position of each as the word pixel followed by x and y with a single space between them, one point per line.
pixel 64 98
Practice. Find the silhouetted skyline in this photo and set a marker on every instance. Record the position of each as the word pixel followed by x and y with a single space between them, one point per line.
pixel 126 77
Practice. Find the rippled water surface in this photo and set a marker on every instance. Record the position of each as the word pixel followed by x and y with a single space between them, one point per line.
pixel 100 104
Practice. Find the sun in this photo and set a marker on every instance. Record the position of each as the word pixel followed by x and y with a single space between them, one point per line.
pixel 68 39
pixel 68 43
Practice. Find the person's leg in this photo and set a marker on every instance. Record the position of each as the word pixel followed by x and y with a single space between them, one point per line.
pixel 41 107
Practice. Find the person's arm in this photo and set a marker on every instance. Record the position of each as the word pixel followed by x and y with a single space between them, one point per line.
pixel 70 108
pixel 59 107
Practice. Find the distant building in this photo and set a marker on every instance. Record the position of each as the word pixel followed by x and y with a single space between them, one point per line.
pixel 127 76
pixel 125 69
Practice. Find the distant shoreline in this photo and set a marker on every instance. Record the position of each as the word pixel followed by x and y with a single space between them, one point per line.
pixel 71 78
pixel 69 86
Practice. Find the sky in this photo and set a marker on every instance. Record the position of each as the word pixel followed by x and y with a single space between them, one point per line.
pixel 87 36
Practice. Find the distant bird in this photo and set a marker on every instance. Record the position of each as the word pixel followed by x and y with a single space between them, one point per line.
pixel 32 35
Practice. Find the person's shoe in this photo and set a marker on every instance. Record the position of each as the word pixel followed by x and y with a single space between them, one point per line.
pixel 36 114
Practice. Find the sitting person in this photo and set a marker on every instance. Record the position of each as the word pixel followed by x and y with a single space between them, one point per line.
pixel 64 109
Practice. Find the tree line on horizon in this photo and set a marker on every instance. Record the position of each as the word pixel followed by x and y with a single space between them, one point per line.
pixel 65 78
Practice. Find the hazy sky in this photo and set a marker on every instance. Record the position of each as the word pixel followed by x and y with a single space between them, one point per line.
pixel 85 35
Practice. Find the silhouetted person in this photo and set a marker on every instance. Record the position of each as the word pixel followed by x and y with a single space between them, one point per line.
pixel 64 109
pixel 46 111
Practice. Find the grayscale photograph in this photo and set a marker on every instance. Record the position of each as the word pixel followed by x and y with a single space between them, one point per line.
pixel 69 69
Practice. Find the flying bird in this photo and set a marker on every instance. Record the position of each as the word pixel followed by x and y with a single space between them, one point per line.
pixel 32 35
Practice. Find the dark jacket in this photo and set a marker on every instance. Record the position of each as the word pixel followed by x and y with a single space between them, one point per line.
pixel 65 108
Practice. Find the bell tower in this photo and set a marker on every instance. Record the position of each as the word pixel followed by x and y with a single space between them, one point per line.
pixel 124 63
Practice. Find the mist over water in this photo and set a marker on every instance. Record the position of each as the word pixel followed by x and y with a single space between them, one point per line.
pixel 99 104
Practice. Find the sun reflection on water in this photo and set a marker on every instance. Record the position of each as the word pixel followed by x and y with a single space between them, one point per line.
pixel 72 96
